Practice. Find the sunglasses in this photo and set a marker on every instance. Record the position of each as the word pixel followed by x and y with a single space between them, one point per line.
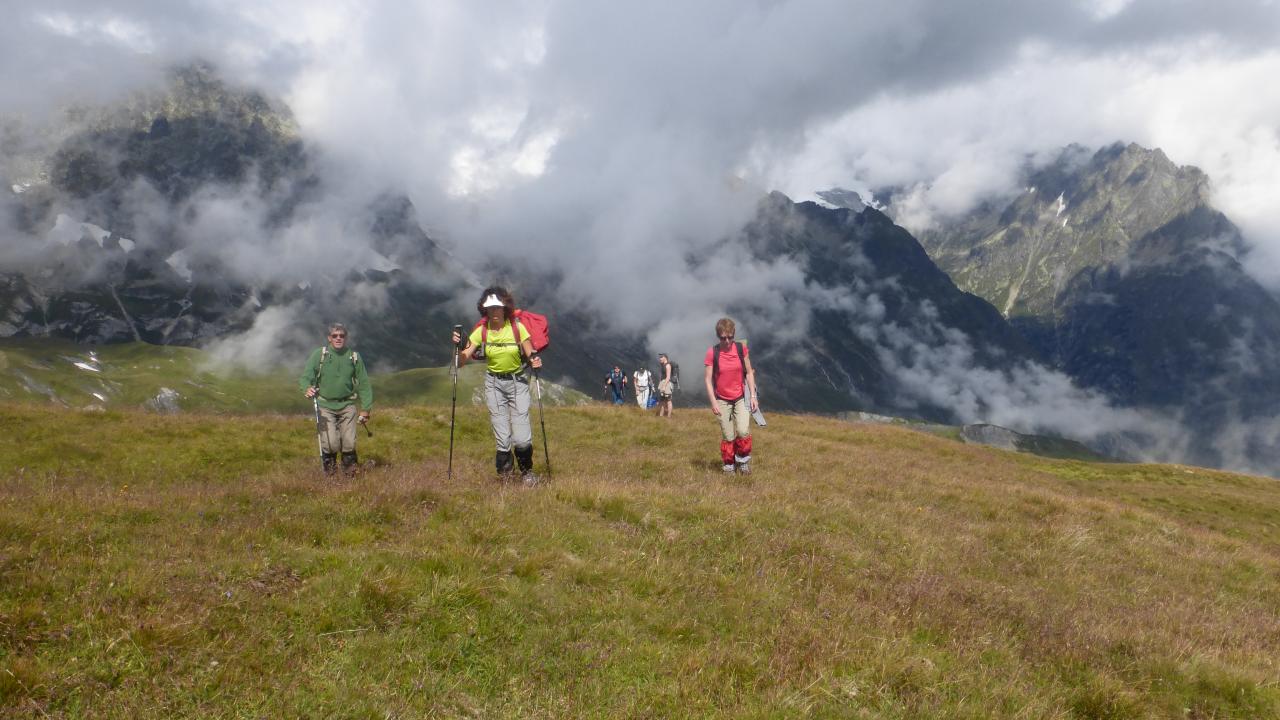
pixel 337 335
pixel 725 337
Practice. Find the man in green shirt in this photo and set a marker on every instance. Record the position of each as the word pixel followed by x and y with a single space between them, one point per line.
pixel 335 375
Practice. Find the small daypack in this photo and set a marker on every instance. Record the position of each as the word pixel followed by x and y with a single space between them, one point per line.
pixel 534 323
pixel 539 332
pixel 675 375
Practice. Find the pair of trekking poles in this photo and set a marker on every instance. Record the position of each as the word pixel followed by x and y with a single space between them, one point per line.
pixel 453 410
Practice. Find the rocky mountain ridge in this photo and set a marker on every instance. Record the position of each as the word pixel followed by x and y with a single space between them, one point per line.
pixel 1116 267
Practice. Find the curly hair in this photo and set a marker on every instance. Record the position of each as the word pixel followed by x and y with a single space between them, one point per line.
pixel 508 302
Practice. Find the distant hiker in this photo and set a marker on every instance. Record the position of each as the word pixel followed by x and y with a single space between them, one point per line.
pixel 643 386
pixel 617 382
pixel 336 377
pixel 728 376
pixel 664 386
pixel 506 385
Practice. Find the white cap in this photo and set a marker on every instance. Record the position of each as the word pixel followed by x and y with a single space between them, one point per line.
pixel 492 301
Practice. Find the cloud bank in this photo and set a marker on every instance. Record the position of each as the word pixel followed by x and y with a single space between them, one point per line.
pixel 615 144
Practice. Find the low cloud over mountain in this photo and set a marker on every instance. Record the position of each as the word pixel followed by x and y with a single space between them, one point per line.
pixel 605 161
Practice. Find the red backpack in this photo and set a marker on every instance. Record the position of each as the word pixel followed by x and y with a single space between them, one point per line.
pixel 536 324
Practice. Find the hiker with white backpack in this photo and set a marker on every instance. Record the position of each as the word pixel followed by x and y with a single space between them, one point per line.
pixel 731 388
pixel 502 340
pixel 334 379
pixel 643 384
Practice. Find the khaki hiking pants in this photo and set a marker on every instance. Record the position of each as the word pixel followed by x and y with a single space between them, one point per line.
pixel 338 429
pixel 735 419
pixel 508 400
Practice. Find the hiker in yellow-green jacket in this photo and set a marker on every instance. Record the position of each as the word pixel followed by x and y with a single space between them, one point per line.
pixel 504 343
pixel 335 378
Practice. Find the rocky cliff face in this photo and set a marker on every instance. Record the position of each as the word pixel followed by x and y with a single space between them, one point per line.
pixel 887 313
pixel 160 220
pixel 1084 211
pixel 1117 268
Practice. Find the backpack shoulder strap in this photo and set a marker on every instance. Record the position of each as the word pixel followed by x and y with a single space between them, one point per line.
pixel 324 355
pixel 516 326
pixel 715 365
pixel 741 360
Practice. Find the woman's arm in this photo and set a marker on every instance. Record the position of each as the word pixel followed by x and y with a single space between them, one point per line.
pixel 751 383
pixel 534 359
pixel 711 392
pixel 465 353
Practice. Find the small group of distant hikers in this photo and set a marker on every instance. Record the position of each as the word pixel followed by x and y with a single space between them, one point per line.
pixel 648 393
pixel 337 382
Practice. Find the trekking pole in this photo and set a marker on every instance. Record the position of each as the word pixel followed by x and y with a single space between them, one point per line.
pixel 364 423
pixel 315 403
pixel 454 408
pixel 546 454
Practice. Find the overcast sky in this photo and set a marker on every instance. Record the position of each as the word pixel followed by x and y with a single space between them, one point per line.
pixel 598 133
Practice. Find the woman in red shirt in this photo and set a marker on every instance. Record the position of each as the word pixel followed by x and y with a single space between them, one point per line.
pixel 729 376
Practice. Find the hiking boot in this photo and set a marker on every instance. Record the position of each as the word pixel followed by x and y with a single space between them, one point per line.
pixel 502 461
pixel 329 461
pixel 530 479
pixel 350 463
pixel 524 459
pixel 728 468
pixel 744 468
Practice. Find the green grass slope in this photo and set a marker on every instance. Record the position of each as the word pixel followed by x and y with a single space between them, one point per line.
pixel 129 375
pixel 196 566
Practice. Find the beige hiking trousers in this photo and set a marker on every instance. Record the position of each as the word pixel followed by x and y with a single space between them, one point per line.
pixel 338 429
pixel 735 418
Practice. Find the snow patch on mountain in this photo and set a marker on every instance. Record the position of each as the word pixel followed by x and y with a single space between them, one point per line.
pixel 66 231
pixel 382 263
pixel 178 261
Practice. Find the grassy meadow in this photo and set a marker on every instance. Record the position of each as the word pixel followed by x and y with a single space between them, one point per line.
pixel 129 375
pixel 196 565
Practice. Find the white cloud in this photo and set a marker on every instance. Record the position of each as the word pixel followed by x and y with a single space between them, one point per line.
pixel 1200 103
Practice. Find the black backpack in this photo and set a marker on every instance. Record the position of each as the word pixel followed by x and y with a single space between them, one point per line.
pixel 675 376
pixel 715 364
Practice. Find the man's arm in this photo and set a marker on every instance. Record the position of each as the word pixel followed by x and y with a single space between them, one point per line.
pixel 308 377
pixel 364 388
